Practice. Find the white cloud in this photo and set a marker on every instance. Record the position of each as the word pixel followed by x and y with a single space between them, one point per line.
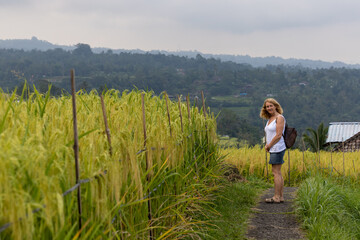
pixel 288 28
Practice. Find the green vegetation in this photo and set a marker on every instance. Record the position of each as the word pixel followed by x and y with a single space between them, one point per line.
pixel 329 210
pixel 328 197
pixel 229 123
pixel 37 158
pixel 232 208
pixel 308 96
pixel 316 139
pixel 176 172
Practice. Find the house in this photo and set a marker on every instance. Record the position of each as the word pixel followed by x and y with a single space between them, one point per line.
pixel 350 145
pixel 344 136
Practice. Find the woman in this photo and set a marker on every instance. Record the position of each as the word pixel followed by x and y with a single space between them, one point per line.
pixel 274 130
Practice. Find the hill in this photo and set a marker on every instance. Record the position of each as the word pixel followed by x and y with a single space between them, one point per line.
pixel 34 43
pixel 308 96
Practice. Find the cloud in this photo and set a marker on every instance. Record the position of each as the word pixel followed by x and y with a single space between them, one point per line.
pixel 14 3
pixel 233 16
pixel 240 16
pixel 272 27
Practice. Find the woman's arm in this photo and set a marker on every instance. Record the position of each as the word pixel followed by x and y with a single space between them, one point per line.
pixel 279 131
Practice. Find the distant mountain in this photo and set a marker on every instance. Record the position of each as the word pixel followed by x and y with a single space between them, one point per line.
pixel 31 44
pixel 34 43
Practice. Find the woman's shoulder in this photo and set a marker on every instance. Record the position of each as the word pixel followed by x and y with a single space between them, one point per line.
pixel 282 116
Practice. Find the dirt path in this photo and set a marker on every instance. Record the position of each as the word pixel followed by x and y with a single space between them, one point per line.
pixel 274 221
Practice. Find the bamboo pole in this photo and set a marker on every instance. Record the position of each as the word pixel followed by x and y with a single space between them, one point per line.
pixel 203 103
pixel 204 112
pixel 343 150
pixel 168 112
pixel 76 146
pixel 303 154
pixel 181 121
pixel 192 134
pixel 188 106
pixel 318 148
pixel 266 161
pixel 289 166
pixel 352 150
pixel 331 160
pixel 107 130
pixel 206 128
pixel 151 234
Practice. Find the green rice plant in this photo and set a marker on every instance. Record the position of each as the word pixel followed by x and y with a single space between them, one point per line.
pixel 328 210
pixel 176 173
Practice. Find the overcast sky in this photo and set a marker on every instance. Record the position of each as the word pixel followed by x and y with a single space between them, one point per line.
pixel 326 30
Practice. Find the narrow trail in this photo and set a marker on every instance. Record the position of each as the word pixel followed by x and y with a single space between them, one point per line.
pixel 274 221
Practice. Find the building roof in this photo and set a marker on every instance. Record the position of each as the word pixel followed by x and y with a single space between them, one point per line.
pixel 341 131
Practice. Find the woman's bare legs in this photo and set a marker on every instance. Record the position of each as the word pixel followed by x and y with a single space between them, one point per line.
pixel 278 182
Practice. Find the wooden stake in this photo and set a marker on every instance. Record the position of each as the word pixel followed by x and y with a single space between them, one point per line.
pixel 188 106
pixel 289 165
pixel 266 161
pixel 303 153
pixel 168 113
pixel 318 145
pixel 331 160
pixel 179 101
pixel 204 112
pixel 343 149
pixel 203 103
pixel 151 234
pixel 76 146
pixel 107 130
pixel 352 150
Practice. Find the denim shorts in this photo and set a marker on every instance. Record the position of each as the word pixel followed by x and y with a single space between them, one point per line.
pixel 277 158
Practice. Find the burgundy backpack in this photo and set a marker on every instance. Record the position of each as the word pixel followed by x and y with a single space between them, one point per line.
pixel 290 135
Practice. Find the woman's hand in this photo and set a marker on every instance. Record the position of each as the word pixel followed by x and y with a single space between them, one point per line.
pixel 267 148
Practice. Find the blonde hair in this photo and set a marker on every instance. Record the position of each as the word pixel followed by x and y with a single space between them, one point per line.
pixel 264 113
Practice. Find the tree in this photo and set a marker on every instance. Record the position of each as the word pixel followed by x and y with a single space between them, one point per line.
pixel 316 139
pixel 229 123
pixel 82 50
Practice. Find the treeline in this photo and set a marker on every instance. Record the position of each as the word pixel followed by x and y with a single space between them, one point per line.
pixel 308 96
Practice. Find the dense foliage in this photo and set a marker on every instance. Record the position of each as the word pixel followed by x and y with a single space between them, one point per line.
pixel 316 138
pixel 147 185
pixel 329 210
pixel 308 96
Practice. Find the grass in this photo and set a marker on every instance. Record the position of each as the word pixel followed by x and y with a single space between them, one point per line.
pixel 329 210
pixel 232 208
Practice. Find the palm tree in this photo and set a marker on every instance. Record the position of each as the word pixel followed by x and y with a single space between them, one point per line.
pixel 316 139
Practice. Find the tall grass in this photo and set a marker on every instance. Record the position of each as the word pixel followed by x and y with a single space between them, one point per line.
pixel 232 209
pixel 37 166
pixel 329 210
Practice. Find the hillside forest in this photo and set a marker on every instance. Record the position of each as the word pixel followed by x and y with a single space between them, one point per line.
pixel 235 92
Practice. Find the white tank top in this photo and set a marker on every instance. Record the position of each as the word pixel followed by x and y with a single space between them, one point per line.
pixel 270 131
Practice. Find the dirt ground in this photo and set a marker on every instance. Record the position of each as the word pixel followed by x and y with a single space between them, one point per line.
pixel 274 221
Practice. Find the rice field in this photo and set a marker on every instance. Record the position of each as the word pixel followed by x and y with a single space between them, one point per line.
pixel 302 164
pixel 143 188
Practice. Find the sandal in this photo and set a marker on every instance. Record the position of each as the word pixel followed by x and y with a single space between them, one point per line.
pixel 271 200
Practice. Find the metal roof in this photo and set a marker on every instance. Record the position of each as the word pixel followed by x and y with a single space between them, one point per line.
pixel 341 131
